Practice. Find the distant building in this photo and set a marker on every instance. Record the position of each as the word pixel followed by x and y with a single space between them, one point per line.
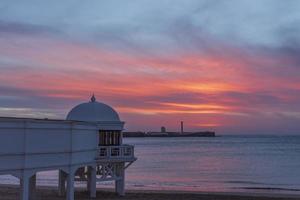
pixel 156 134
pixel 134 134
pixel 163 132
pixel 87 146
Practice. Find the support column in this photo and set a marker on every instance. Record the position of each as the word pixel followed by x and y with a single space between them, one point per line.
pixel 88 182
pixel 24 186
pixel 61 183
pixel 70 185
pixel 92 182
pixel 32 187
pixel 120 183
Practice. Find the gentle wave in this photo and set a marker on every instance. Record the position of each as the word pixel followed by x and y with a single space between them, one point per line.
pixel 230 163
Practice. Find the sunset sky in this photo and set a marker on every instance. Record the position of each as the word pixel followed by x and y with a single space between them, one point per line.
pixel 232 66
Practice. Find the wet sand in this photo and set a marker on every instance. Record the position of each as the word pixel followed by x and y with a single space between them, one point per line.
pixel 46 193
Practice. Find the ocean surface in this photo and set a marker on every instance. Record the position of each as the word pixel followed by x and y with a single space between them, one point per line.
pixel 266 164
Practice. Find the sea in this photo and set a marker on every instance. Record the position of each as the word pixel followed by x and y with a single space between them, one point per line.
pixel 255 164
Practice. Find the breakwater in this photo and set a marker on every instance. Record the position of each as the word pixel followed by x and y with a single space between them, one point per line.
pixel 169 134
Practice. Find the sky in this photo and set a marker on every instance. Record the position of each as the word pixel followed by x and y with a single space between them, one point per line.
pixel 230 66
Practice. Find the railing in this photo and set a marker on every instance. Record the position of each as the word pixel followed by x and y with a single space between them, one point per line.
pixel 123 151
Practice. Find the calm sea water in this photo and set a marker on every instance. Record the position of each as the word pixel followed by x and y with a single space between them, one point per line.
pixel 268 164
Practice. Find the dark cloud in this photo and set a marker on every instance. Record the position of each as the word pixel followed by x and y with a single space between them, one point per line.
pixel 254 44
pixel 26 28
pixel 32 98
pixel 288 49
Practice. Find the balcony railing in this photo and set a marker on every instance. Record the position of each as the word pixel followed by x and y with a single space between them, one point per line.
pixel 123 151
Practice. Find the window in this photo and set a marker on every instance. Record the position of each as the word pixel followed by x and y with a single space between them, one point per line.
pixel 109 138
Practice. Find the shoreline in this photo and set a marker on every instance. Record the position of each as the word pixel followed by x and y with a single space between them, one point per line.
pixel 11 192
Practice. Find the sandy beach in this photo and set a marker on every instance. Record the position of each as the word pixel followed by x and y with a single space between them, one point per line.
pixel 46 193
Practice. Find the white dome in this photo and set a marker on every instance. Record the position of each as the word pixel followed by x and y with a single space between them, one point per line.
pixel 93 111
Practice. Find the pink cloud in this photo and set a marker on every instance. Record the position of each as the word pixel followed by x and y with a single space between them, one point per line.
pixel 238 83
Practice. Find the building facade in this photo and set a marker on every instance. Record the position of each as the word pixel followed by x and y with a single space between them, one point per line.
pixel 87 146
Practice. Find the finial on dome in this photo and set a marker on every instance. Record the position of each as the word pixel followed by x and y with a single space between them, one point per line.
pixel 93 99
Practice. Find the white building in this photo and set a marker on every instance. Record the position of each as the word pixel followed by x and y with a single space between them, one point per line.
pixel 87 146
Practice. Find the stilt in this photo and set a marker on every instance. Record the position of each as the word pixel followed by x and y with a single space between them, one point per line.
pixel 92 182
pixel 120 183
pixel 61 183
pixel 32 187
pixel 24 182
pixel 88 182
pixel 70 185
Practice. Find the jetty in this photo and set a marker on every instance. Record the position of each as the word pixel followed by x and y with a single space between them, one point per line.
pixel 169 134
pixel 164 133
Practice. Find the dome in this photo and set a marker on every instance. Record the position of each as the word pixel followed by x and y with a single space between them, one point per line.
pixel 93 111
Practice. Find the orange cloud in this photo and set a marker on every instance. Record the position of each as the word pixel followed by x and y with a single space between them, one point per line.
pixel 179 85
pixel 149 111
pixel 207 125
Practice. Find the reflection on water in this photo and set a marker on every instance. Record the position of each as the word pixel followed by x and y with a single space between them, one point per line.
pixel 229 163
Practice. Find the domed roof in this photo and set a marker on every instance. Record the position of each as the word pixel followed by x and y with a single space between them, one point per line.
pixel 93 111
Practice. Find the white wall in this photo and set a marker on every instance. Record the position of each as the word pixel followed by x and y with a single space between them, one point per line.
pixel 29 143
